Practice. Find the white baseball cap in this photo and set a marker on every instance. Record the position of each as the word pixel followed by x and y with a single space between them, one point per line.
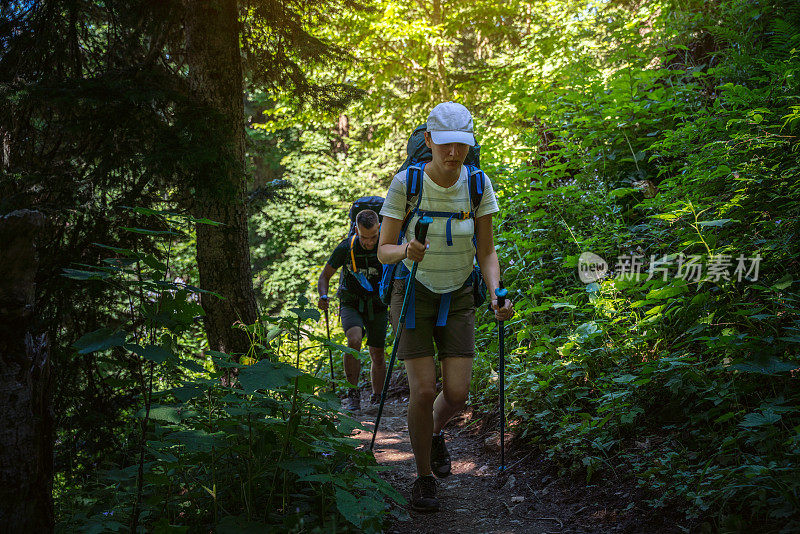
pixel 450 122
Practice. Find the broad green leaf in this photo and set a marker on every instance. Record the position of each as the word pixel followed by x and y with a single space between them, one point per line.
pixel 169 414
pixel 386 488
pixel 120 263
pixel 153 353
pixel 621 192
pixel 191 365
pixel 267 375
pixel 196 440
pixel 718 222
pixel 783 283
pixel 538 214
pixel 624 379
pixel 724 417
pixel 765 366
pixel 204 221
pixel 587 331
pixel 223 360
pixel 757 419
pixel 669 291
pixel 77 274
pixel 357 510
pixel 301 467
pixel 187 392
pixel 557 305
pixel 101 339
pixel 571 261
pixel 151 232
pixel 306 313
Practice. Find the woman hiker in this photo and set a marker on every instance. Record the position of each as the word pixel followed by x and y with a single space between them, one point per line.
pixel 444 272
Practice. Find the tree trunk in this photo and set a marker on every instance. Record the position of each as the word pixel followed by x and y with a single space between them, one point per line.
pixel 26 431
pixel 223 254
pixel 341 132
pixel 441 69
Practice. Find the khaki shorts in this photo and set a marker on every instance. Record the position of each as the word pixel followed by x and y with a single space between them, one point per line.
pixel 454 339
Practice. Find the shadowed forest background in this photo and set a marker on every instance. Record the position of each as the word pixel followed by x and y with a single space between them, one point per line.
pixel 174 175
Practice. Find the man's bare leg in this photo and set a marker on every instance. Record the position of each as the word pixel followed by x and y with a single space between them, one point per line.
pixel 377 370
pixel 352 365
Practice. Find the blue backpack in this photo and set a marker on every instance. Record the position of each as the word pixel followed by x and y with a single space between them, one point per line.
pixel 414 183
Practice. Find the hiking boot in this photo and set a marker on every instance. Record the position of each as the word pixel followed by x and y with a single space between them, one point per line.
pixel 440 458
pixel 374 403
pixel 352 402
pixel 423 494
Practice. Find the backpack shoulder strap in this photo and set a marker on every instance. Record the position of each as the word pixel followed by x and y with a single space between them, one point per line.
pixel 477 179
pixel 414 183
pixel 352 253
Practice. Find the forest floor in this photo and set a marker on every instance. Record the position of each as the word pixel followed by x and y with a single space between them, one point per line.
pixel 528 497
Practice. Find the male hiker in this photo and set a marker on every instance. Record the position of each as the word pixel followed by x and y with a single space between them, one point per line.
pixel 359 306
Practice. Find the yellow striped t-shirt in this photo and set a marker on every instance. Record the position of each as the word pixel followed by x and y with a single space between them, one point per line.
pixel 444 268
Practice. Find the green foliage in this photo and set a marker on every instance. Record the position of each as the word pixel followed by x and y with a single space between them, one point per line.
pixel 680 145
pixel 293 235
pixel 666 130
pixel 663 129
pixel 257 444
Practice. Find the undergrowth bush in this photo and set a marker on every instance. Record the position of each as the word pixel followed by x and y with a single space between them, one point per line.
pixel 229 445
pixel 687 385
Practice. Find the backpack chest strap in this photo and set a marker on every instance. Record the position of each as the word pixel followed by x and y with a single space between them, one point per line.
pixel 414 180
pixel 460 215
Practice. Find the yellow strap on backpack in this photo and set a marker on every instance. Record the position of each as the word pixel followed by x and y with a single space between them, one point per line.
pixel 352 254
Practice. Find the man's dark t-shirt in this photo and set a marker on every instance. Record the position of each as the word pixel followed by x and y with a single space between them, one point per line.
pixel 350 290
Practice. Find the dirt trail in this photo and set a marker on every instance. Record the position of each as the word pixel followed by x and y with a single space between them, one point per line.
pixel 476 499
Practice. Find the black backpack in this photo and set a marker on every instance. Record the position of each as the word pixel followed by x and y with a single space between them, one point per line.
pixel 417 151
pixel 364 203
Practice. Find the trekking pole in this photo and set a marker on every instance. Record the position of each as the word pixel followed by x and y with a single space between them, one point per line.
pixel 420 233
pixel 501 293
pixel 330 354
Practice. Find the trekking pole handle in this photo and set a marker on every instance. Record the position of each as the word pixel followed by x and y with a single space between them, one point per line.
pixel 501 294
pixel 421 229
